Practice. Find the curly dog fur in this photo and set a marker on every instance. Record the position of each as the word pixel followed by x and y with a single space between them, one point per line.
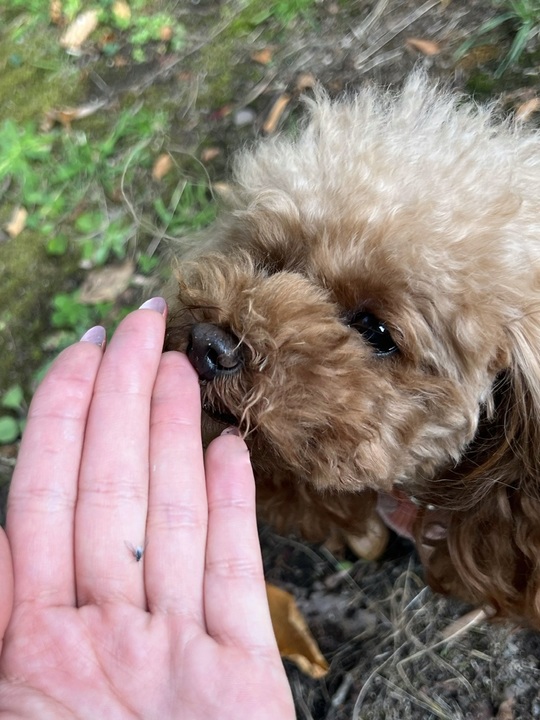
pixel 375 282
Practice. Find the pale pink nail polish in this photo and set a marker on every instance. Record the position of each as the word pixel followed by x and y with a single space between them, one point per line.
pixel 95 335
pixel 156 303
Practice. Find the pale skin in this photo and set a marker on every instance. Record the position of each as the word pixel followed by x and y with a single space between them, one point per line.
pixel 112 458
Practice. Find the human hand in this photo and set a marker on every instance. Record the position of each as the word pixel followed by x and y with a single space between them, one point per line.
pixel 111 459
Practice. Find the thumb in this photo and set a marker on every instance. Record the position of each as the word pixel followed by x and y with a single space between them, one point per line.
pixel 6 584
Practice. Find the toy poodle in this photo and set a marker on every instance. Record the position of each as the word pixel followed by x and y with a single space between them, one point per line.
pixel 367 310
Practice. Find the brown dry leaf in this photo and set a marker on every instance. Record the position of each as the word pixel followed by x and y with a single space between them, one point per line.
pixel 305 81
pixel 121 10
pixel 209 154
pixel 464 623
pixel 223 190
pixel 79 30
pixel 478 56
pixel 55 12
pixel 166 33
pixel 105 284
pixel 526 109
pixel 276 111
pixel 372 544
pixel 221 113
pixel 294 639
pixel 426 47
pixel 66 116
pixel 162 166
pixel 17 222
pixel 264 56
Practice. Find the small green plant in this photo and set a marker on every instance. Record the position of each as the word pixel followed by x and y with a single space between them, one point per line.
pixel 13 414
pixel 285 11
pixel 70 314
pixel 62 180
pixel 143 28
pixel 523 16
pixel 189 209
pixel 243 17
pixel 146 29
pixel 147 264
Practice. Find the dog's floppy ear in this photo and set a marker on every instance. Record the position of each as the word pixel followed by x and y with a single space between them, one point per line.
pixel 520 403
pixel 489 553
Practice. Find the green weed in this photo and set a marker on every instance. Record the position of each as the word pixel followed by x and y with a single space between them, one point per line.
pixel 64 182
pixel 189 209
pixel 69 314
pixel 523 16
pixel 283 11
pixel 12 421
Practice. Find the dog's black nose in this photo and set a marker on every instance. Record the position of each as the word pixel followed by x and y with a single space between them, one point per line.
pixel 213 351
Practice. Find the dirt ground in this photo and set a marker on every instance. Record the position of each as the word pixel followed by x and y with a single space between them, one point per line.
pixel 380 628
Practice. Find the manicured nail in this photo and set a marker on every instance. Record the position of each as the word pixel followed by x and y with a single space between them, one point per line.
pixel 156 303
pixel 232 430
pixel 95 335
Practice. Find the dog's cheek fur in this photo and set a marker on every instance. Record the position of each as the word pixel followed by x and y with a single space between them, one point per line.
pixel 312 396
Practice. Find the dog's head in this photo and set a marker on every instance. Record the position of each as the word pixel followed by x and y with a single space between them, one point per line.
pixel 373 282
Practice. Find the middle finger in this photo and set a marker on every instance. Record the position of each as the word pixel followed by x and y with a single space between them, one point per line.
pixel 113 485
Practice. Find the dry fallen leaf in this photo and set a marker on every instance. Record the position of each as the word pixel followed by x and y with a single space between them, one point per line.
pixel 263 57
pixel 526 109
pixel 276 111
pixel 121 10
pixel 79 30
pixel 426 47
pixel 478 56
pixel 209 154
pixel 464 623
pixel 17 222
pixel 222 190
pixel 66 116
pixel 294 639
pixel 162 166
pixel 166 33
pixel 372 544
pixel 105 284
pixel 55 12
pixel 305 81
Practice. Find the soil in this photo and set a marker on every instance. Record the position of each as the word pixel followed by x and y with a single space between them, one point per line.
pixel 378 625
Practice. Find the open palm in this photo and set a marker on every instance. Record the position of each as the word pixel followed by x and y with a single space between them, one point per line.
pixel 138 588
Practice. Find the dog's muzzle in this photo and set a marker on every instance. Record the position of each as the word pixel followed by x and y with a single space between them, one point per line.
pixel 213 351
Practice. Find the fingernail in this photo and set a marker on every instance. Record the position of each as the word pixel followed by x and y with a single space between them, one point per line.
pixel 232 430
pixel 95 335
pixel 156 303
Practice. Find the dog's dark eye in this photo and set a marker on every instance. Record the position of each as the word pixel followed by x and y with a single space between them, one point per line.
pixel 375 332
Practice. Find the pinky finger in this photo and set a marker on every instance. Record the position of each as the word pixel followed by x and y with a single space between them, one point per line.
pixel 236 605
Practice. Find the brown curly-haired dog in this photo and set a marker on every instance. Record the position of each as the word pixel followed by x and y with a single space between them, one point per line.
pixel 367 310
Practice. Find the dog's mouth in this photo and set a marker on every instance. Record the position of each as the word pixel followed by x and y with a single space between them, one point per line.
pixel 220 414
